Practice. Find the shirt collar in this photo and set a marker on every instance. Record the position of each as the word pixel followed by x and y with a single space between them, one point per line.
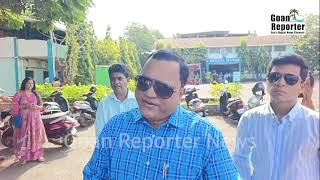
pixel 173 120
pixel 292 113
pixel 130 96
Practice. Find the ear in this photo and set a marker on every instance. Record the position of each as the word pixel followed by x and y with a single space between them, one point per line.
pixel 303 85
pixel 182 92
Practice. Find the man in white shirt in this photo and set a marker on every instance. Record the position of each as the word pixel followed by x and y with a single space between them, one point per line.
pixel 280 140
pixel 121 100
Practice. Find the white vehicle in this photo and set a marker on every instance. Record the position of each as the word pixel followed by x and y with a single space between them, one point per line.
pixel 257 99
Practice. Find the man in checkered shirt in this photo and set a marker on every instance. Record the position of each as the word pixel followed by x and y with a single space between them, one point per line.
pixel 160 139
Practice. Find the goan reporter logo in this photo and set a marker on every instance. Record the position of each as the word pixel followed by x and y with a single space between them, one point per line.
pixel 292 24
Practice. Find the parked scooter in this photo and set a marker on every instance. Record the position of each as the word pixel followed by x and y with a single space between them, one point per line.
pixel 6 130
pixel 257 99
pixel 191 93
pixel 233 108
pixel 197 106
pixel 83 111
pixel 60 128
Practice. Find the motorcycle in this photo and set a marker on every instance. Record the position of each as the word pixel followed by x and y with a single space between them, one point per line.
pixel 257 99
pixel 83 111
pixel 6 130
pixel 191 93
pixel 232 108
pixel 60 128
pixel 197 106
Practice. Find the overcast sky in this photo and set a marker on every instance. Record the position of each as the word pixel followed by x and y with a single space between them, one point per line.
pixel 186 16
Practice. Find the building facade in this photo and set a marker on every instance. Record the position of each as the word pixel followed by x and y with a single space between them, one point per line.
pixel 223 47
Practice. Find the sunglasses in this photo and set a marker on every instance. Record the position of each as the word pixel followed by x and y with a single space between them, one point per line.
pixel 161 89
pixel 289 78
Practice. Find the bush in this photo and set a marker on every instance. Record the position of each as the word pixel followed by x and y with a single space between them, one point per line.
pixel 233 88
pixel 74 92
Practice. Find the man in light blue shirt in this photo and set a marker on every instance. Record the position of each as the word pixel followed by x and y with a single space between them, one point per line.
pixel 160 139
pixel 120 100
pixel 280 140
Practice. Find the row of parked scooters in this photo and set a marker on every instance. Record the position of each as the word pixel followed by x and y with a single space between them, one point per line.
pixel 59 117
pixel 229 107
pixel 234 107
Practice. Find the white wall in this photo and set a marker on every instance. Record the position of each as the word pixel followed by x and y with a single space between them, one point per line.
pixel 6 47
pixel 32 48
pixel 7 76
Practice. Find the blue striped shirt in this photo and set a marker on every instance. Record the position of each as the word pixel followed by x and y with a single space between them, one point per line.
pixel 186 147
pixel 110 106
pixel 267 149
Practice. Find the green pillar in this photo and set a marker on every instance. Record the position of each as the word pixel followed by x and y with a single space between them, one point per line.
pixel 16 62
pixel 51 63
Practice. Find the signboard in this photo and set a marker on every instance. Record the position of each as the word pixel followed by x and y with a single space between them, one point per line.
pixel 223 60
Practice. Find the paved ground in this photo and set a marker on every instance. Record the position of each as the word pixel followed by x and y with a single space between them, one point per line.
pixel 67 164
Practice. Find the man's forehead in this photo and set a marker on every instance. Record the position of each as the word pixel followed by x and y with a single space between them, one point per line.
pixel 162 70
pixel 288 68
pixel 117 74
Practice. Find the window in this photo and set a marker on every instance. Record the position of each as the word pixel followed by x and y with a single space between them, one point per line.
pixel 279 48
pixel 214 50
pixel 29 73
pixel 227 50
pixel 268 48
pixel 45 74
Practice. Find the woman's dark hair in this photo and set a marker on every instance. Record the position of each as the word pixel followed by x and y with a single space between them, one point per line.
pixel 23 87
pixel 169 55
pixel 118 68
pixel 291 59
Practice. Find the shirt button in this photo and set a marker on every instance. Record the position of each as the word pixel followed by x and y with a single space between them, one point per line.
pixel 147 163
pixel 153 136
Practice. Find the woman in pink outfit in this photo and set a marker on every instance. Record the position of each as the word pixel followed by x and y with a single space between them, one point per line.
pixel 29 138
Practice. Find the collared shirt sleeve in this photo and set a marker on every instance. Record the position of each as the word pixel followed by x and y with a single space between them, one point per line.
pixel 219 161
pixel 100 119
pixel 98 166
pixel 243 149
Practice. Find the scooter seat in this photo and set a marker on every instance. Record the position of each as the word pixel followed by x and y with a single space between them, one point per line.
pixel 49 117
pixel 233 100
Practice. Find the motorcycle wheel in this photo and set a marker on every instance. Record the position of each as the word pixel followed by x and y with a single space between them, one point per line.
pixel 7 138
pixel 201 114
pixel 82 121
pixel 67 140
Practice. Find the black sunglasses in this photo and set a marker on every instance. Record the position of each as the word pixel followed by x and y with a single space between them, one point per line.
pixel 289 78
pixel 161 89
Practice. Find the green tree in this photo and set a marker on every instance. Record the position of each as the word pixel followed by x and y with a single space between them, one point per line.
pixel 198 54
pixel 254 60
pixel 45 13
pixel 129 56
pixel 143 37
pixel 72 54
pixel 308 45
pixel 81 56
pixel 108 51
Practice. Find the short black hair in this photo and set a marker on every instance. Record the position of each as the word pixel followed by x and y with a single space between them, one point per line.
pixel 56 79
pixel 118 68
pixel 291 59
pixel 170 55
